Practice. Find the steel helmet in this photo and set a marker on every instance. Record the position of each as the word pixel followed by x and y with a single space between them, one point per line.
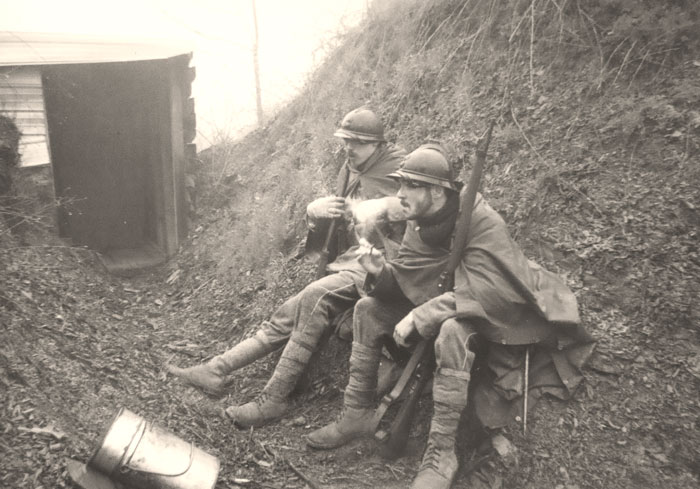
pixel 362 124
pixel 427 164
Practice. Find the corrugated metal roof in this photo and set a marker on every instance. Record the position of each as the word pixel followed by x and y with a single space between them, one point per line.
pixel 22 48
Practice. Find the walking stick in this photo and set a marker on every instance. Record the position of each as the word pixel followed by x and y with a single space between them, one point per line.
pixel 526 381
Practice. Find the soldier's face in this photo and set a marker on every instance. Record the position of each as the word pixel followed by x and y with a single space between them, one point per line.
pixel 416 199
pixel 358 151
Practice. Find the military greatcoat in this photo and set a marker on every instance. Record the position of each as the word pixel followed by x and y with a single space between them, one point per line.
pixel 509 300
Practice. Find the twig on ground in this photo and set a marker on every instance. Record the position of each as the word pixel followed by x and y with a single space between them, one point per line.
pixel 517 27
pixel 195 291
pixel 661 65
pixel 572 123
pixel 686 152
pixel 512 113
pixel 473 39
pixel 308 480
pixel 353 479
pixel 506 85
pixel 392 470
pixel 437 29
pixel 560 8
pixel 601 76
pixel 624 62
pixel 578 191
pixel 641 63
pixel 170 359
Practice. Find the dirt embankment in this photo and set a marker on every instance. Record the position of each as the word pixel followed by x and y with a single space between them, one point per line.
pixel 594 165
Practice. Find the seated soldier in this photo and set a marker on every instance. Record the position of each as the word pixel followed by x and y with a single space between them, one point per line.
pixel 363 176
pixel 499 295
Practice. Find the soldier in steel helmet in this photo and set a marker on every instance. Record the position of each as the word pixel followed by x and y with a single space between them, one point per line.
pixel 499 296
pixel 299 323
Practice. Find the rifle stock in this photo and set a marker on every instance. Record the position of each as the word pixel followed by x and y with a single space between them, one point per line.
pixel 344 189
pixel 323 258
pixel 395 439
pixel 400 386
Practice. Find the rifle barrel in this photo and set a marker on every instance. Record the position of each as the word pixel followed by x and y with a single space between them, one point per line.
pixel 466 206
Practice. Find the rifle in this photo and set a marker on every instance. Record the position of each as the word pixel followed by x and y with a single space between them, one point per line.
pixel 343 191
pixel 418 370
pixel 413 379
pixel 324 253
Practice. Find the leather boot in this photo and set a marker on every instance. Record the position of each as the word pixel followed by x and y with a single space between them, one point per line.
pixel 264 409
pixel 439 465
pixel 351 424
pixel 215 375
pixel 356 418
pixel 272 404
pixel 438 468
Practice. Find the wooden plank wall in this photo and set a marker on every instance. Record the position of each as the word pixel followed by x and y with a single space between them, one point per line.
pixel 22 99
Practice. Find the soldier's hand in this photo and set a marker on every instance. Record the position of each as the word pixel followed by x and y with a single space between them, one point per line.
pixel 371 259
pixel 403 330
pixel 326 208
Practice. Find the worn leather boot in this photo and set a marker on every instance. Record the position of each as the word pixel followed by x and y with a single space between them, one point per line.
pixel 272 404
pixel 215 376
pixel 438 468
pixel 356 418
pixel 263 410
pixel 202 376
pixel 352 424
pixel 439 465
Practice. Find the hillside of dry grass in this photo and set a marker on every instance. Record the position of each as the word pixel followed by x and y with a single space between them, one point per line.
pixel 594 164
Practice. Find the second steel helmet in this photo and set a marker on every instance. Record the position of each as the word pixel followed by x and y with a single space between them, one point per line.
pixel 362 124
pixel 427 164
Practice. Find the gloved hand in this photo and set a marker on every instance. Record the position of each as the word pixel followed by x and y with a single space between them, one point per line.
pixel 326 208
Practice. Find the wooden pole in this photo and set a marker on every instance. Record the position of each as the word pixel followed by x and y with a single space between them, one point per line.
pixel 526 388
pixel 256 68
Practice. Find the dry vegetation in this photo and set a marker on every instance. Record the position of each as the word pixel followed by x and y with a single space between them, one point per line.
pixel 594 164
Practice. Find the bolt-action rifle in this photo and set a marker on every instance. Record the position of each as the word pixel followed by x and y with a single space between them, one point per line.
pixel 418 369
pixel 325 250
pixel 344 189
